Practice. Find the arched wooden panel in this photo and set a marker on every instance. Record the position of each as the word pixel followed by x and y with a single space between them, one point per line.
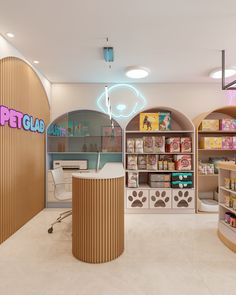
pixel 22 153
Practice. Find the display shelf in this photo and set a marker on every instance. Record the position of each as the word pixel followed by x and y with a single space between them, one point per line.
pixel 228 190
pixel 84 153
pixel 160 200
pixel 203 155
pixel 226 232
pixel 208 175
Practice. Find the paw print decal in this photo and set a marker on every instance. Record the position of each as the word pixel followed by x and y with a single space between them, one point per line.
pixel 183 199
pixel 160 199
pixel 137 199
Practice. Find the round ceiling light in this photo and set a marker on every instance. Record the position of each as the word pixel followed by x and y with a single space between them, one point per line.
pixel 137 72
pixel 36 62
pixel 217 73
pixel 10 35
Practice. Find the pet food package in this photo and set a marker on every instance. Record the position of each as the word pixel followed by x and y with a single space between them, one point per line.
pixel 142 162
pixel 159 144
pixel 228 124
pixel 149 122
pixel 206 168
pixel 227 143
pixel 159 177
pixel 148 144
pixel 182 184
pixel 186 145
pixel 210 125
pixel 234 142
pixel 152 162
pixel 159 184
pixel 130 145
pixel 164 121
pixel 139 145
pixel 173 144
pixel 132 162
pixel 182 176
pixel 133 179
pixel 171 166
pixel 183 162
pixel 209 143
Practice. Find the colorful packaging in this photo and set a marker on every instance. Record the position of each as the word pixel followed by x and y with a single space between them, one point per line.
pixel 183 162
pixel 132 162
pixel 228 201
pixel 234 142
pixel 206 168
pixel 181 176
pixel 209 143
pixel 130 145
pixel 186 145
pixel 133 179
pixel 210 125
pixel 142 162
pixel 159 144
pixel 159 177
pixel 139 145
pixel 227 143
pixel 173 144
pixel 164 121
pixel 233 221
pixel 182 184
pixel 228 124
pixel 149 122
pixel 148 144
pixel 171 166
pixel 151 162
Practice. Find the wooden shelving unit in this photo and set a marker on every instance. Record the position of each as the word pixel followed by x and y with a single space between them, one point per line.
pixel 226 232
pixel 145 199
pixel 210 187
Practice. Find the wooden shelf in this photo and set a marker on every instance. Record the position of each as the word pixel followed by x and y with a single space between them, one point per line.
pixel 228 225
pixel 217 132
pixel 159 153
pixel 215 150
pixel 84 153
pixel 228 190
pixel 159 131
pixel 208 175
pixel 227 208
pixel 159 171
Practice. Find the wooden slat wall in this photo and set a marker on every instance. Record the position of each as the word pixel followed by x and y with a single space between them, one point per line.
pixel 22 153
pixel 97 219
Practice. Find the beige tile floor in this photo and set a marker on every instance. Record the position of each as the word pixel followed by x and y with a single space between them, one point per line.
pixel 164 255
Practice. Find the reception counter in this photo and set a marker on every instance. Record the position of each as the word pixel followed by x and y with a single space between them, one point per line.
pixel 98 214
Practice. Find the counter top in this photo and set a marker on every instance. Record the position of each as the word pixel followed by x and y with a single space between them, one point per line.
pixel 229 165
pixel 109 170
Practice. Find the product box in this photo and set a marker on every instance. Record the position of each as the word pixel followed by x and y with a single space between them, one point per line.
pixel 164 121
pixel 132 162
pixel 181 184
pixel 210 125
pixel 159 177
pixel 148 144
pixel 133 179
pixel 209 143
pixel 234 142
pixel 159 144
pixel 149 121
pixel 171 166
pixel 142 162
pixel 151 162
pixel 206 168
pixel 159 184
pixel 227 143
pixel 173 144
pixel 139 145
pixel 130 145
pixel 182 176
pixel 183 162
pixel 228 124
pixel 186 145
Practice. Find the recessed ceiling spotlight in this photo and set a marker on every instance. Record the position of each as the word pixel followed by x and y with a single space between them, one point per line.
pixel 10 35
pixel 121 107
pixel 36 62
pixel 137 72
pixel 217 73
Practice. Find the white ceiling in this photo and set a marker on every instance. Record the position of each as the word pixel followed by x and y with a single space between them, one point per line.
pixel 178 40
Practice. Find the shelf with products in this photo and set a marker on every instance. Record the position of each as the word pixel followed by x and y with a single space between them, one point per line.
pixel 80 135
pixel 147 152
pixel 215 141
pixel 227 204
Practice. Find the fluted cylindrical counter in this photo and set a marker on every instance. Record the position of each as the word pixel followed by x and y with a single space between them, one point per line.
pixel 98 214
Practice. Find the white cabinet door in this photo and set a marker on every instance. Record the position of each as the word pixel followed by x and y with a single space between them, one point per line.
pixel 183 198
pixel 137 198
pixel 160 198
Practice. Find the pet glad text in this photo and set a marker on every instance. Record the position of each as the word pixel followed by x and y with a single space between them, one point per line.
pixel 16 119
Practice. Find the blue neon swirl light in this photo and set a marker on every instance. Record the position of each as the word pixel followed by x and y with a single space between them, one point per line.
pixel 122 112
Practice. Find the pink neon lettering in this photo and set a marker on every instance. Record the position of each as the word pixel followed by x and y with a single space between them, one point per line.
pixel 19 116
pixel 4 115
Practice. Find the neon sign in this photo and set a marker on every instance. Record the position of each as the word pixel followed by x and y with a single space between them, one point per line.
pixel 19 120
pixel 121 110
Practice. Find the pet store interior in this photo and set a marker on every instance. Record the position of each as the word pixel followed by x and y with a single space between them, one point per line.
pixel 117 147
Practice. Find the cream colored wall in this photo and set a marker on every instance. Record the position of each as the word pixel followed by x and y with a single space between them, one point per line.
pixel 191 99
